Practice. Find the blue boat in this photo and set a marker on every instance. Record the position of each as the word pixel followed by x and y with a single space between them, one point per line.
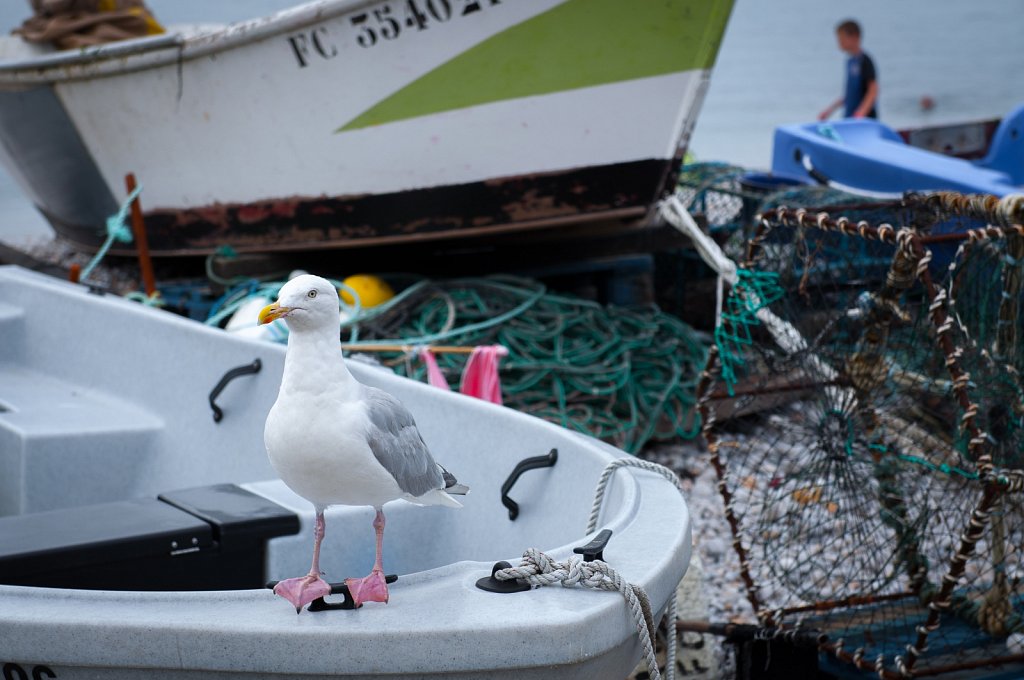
pixel 866 157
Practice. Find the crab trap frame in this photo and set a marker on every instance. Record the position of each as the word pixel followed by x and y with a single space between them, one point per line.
pixel 877 494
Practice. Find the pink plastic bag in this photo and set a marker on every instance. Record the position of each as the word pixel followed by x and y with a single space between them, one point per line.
pixel 480 377
pixel 434 375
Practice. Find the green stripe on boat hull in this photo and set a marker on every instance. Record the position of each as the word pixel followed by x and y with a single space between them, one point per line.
pixel 580 43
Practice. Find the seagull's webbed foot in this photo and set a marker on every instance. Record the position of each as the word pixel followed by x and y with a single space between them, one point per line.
pixel 302 590
pixel 372 588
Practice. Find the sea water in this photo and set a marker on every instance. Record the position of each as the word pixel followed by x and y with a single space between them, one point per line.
pixel 778 64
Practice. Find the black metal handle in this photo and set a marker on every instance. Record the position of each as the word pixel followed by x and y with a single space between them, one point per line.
pixel 595 549
pixel 524 465
pixel 248 369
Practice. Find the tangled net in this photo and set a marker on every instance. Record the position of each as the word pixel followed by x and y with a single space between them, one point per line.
pixel 625 375
pixel 714 190
pixel 876 495
pixel 730 197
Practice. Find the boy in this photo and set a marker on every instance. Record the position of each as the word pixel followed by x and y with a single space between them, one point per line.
pixel 861 94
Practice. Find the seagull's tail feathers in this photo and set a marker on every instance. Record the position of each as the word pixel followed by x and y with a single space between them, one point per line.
pixel 436 497
pixel 443 496
pixel 451 485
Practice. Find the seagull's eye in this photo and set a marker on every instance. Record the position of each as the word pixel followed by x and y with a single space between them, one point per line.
pixel 311 294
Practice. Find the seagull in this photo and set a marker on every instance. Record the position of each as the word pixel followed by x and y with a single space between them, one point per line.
pixel 336 441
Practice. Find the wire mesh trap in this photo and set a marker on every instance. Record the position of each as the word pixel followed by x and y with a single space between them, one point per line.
pixel 730 197
pixel 864 410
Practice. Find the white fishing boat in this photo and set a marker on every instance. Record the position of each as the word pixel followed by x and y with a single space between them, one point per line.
pixel 106 405
pixel 345 122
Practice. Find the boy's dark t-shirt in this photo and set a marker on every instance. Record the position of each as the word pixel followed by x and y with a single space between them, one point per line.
pixel 860 72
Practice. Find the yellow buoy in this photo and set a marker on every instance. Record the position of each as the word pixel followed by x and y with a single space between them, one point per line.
pixel 153 26
pixel 372 290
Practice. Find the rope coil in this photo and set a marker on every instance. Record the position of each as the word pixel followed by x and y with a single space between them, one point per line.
pixel 539 569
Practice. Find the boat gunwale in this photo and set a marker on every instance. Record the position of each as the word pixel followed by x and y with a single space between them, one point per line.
pixel 139 54
pixel 141 618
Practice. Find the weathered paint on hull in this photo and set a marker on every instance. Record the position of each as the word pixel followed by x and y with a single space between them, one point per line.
pixel 309 129
pixel 620 192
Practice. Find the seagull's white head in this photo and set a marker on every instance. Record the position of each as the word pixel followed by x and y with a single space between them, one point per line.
pixel 305 302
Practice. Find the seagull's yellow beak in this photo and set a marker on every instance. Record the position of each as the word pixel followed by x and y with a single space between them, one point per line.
pixel 271 312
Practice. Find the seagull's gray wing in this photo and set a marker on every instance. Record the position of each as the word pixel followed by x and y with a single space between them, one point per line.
pixel 398 446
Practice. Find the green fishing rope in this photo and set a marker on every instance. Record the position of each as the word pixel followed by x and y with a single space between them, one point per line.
pixel 752 292
pixel 625 375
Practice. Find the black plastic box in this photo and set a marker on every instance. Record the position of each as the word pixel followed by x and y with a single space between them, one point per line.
pixel 207 538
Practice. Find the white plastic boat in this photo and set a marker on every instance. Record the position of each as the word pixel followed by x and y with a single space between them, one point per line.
pixel 342 122
pixel 105 401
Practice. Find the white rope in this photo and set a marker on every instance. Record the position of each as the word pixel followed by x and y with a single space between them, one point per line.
pixel 676 214
pixel 609 470
pixel 672 636
pixel 538 569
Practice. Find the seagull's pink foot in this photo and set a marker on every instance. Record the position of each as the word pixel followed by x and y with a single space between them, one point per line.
pixel 302 590
pixel 372 588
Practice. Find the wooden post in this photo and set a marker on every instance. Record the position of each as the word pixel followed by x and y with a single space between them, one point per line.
pixel 141 244
pixel 440 349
